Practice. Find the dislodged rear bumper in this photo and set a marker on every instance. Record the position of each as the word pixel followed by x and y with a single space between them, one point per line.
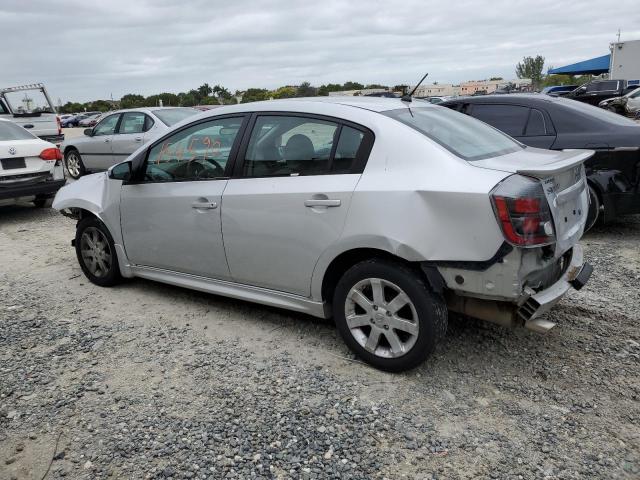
pixel 49 187
pixel 528 309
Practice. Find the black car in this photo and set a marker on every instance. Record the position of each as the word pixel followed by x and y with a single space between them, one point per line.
pixel 542 121
pixel 598 90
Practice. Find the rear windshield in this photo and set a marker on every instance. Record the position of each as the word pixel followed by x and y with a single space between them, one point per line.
pixel 596 112
pixel 11 131
pixel 171 116
pixel 462 135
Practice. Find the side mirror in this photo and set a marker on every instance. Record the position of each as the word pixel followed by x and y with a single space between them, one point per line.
pixel 121 171
pixel 88 132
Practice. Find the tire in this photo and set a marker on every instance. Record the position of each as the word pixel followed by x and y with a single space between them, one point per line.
pixel 594 209
pixel 73 163
pixel 42 202
pixel 420 324
pixel 96 252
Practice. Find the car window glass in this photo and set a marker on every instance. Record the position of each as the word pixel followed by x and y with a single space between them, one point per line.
pixel 148 123
pixel 199 152
pixel 106 126
pixel 462 135
pixel 635 93
pixel 511 119
pixel 347 149
pixel 610 85
pixel 281 145
pixel 535 126
pixel 132 122
pixel 593 87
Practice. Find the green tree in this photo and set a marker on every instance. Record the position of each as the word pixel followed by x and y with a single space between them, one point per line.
pixel 131 100
pixel 306 90
pixel 375 85
pixel 329 87
pixel 284 92
pixel 352 86
pixel 223 95
pixel 255 95
pixel 204 90
pixel 531 67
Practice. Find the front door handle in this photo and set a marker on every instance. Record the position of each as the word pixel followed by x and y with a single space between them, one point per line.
pixel 204 205
pixel 138 139
pixel 317 202
pixel 106 140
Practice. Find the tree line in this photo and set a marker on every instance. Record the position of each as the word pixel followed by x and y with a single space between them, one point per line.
pixel 216 95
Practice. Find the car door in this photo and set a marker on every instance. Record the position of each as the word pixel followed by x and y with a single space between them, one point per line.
pixel 289 197
pixel 130 134
pixel 96 151
pixel 170 213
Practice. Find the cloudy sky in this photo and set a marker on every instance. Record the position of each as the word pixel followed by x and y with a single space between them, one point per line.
pixel 84 49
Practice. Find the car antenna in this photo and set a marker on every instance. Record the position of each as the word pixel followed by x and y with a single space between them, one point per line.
pixel 407 98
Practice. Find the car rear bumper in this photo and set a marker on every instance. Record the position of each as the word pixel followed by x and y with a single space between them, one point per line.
pixel 36 189
pixel 529 307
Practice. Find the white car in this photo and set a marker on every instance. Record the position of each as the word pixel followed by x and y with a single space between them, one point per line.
pixel 117 135
pixel 30 168
pixel 379 212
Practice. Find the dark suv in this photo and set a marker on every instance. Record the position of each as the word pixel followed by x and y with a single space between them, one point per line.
pixel 598 90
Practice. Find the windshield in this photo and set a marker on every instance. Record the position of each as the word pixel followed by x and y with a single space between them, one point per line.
pixel 171 116
pixel 462 135
pixel 11 131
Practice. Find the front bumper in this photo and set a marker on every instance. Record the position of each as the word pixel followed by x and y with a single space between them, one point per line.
pixel 36 189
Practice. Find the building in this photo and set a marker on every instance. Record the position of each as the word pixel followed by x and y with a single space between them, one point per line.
pixel 436 90
pixel 625 60
pixel 623 63
pixel 478 87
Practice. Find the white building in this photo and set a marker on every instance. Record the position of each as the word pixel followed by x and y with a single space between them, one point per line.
pixel 625 60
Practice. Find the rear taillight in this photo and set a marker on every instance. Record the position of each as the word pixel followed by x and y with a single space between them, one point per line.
pixel 59 125
pixel 523 212
pixel 51 154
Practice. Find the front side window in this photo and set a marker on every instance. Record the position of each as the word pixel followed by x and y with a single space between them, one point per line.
pixel 199 152
pixel 608 86
pixel 510 119
pixel 462 135
pixel 106 126
pixel 132 122
pixel 281 145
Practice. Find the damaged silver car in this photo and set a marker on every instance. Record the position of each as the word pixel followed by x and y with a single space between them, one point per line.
pixel 381 213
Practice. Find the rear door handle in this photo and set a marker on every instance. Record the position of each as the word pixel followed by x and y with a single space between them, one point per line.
pixel 204 205
pixel 138 139
pixel 329 202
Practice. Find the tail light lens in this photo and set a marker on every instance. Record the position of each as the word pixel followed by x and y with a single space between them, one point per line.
pixel 51 154
pixel 59 125
pixel 523 212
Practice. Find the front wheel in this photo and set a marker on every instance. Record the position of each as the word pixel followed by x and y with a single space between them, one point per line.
pixel 96 252
pixel 387 315
pixel 73 164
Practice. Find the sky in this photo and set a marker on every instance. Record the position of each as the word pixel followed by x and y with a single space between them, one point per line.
pixel 84 50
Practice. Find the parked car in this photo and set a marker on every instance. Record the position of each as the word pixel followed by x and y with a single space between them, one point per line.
pixel 361 208
pixel 628 104
pixel 30 168
pixel 73 121
pixel 90 120
pixel 542 121
pixel 598 90
pixel 42 121
pixel 559 89
pixel 116 137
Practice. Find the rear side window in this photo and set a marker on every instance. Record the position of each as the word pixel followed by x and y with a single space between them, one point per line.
pixel 10 131
pixel 610 85
pixel 460 134
pixel 511 119
pixel 292 146
pixel 535 126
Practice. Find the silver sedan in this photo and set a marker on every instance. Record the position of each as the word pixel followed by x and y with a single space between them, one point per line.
pixel 116 136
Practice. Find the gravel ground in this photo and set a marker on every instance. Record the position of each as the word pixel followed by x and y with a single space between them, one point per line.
pixel 149 381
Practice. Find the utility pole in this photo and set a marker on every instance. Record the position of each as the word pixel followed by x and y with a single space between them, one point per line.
pixel 618 35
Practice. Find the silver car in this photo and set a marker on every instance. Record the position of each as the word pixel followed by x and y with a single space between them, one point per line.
pixel 379 212
pixel 116 136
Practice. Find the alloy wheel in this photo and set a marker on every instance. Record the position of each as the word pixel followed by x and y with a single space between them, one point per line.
pixel 381 317
pixel 73 164
pixel 96 252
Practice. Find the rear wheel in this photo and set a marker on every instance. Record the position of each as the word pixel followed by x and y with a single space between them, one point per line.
pixel 96 252
pixel 387 315
pixel 73 163
pixel 594 209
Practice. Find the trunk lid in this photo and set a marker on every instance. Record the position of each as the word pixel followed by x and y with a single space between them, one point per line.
pixel 564 182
